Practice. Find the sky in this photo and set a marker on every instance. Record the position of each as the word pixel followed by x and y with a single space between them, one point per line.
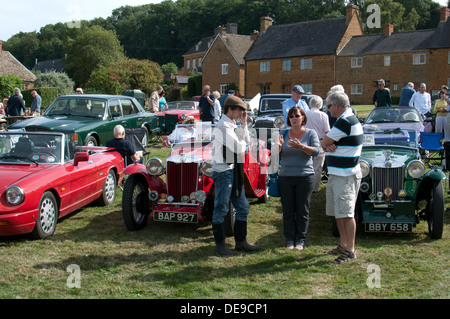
pixel 31 15
pixel 27 16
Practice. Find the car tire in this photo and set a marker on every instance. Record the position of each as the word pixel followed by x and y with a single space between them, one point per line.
pixel 435 216
pixel 229 220
pixel 135 203
pixel 47 217
pixel 91 141
pixel 109 190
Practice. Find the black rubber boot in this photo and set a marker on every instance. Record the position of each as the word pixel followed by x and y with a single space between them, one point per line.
pixel 219 237
pixel 240 236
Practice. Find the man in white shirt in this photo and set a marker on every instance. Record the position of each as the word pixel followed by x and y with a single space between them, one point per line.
pixel 230 141
pixel 318 121
pixel 421 100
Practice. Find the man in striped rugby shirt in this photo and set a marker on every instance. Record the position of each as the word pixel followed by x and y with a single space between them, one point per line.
pixel 343 145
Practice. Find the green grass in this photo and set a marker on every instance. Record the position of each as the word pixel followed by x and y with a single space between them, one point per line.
pixel 179 261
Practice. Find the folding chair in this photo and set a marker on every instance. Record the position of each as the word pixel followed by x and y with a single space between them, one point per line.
pixel 432 149
pixel 171 120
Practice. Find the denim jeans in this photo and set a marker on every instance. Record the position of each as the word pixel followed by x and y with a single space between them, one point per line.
pixel 223 184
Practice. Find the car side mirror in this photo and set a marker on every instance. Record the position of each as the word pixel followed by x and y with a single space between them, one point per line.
pixel 80 157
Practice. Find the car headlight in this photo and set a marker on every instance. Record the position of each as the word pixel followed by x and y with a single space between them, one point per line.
pixel 279 123
pixel 416 169
pixel 207 167
pixel 15 195
pixel 183 116
pixel 200 196
pixel 365 168
pixel 155 166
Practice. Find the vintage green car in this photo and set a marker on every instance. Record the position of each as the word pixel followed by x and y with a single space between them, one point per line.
pixel 90 118
pixel 397 189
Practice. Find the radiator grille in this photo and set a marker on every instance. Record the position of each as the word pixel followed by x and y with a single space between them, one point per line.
pixel 182 179
pixel 384 177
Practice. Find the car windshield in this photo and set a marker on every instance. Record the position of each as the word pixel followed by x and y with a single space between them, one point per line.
pixel 271 104
pixel 393 115
pixel 31 148
pixel 189 133
pixel 180 105
pixel 77 107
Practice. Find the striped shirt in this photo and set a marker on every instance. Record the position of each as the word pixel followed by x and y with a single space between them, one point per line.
pixel 349 137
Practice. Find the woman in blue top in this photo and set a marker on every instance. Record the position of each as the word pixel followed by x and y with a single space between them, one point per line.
pixel 162 102
pixel 296 177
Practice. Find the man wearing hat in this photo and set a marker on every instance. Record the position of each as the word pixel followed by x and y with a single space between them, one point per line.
pixel 228 175
pixel 295 100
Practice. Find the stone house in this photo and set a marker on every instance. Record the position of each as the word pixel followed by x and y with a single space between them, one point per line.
pixel 398 58
pixel 299 53
pixel 10 65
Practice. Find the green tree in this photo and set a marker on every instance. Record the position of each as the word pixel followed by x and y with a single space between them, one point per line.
pixel 7 85
pixel 93 48
pixel 126 74
pixel 55 79
pixel 169 68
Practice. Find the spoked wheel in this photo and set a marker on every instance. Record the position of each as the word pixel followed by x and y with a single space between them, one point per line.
pixel 47 217
pixel 435 216
pixel 109 190
pixel 135 203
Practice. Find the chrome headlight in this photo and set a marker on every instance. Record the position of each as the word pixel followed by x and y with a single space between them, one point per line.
pixel 15 195
pixel 200 196
pixel 279 123
pixel 183 116
pixel 155 166
pixel 365 168
pixel 416 169
pixel 207 167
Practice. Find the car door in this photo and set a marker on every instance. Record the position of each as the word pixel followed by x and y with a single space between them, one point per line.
pixel 114 117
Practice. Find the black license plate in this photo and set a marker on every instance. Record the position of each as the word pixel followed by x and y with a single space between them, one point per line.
pixel 389 227
pixel 176 217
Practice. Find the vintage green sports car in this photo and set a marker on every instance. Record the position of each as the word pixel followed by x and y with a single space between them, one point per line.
pixel 397 190
pixel 89 119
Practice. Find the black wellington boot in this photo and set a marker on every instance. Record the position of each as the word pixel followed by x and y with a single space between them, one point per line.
pixel 240 236
pixel 219 237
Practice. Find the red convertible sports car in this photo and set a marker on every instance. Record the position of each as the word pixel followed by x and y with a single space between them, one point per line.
pixel 176 113
pixel 43 177
pixel 187 194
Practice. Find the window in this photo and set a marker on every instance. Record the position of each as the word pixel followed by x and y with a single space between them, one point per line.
pixel 199 62
pixel 356 89
pixel 264 66
pixel 188 64
pixel 395 87
pixel 448 57
pixel 356 62
pixel 127 107
pixel 286 65
pixel 223 89
pixel 307 88
pixel 419 58
pixel 225 68
pixel 387 60
pixel 264 89
pixel 193 64
pixel 448 82
pixel 306 64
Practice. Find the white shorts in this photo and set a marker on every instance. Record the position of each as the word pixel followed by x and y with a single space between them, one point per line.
pixel 342 192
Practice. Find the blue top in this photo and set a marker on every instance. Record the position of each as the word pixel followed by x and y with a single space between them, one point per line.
pixel 290 103
pixel 407 93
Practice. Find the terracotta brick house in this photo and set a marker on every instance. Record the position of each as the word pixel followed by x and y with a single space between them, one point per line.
pixel 223 64
pixel 194 56
pixel 299 53
pixel 398 58
pixel 10 65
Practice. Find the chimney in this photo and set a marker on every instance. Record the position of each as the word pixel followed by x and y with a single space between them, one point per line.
pixel 445 13
pixel 232 28
pixel 254 35
pixel 222 31
pixel 388 29
pixel 350 11
pixel 265 23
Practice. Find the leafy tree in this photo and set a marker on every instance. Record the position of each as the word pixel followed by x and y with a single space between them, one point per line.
pixel 93 48
pixel 126 74
pixel 169 68
pixel 7 85
pixel 55 79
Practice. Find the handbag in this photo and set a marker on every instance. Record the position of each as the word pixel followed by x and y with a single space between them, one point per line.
pixel 273 190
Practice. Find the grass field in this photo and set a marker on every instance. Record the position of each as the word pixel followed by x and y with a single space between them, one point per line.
pixel 172 261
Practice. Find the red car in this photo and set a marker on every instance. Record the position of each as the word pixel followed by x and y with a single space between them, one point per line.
pixel 187 194
pixel 178 110
pixel 43 178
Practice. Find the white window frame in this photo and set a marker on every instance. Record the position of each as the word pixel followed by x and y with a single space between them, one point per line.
pixel 356 62
pixel 387 60
pixel 264 66
pixel 417 58
pixel 200 62
pixel 306 64
pixel 357 89
pixel 193 63
pixel 188 64
pixel 224 68
pixel 286 65
pixel 223 88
